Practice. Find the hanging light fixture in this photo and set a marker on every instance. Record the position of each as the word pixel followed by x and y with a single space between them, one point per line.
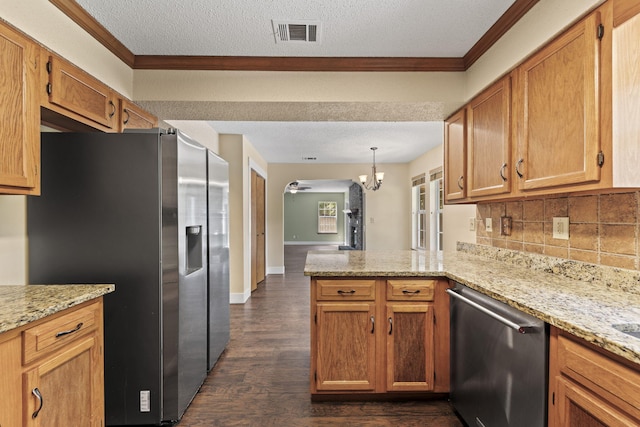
pixel 376 177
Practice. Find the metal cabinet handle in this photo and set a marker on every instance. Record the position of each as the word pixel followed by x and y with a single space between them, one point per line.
pixel 459 182
pixel 351 292
pixel 126 121
pixel 407 291
pixel 390 325
pixel 518 168
pixel 373 324
pixel 523 329
pixel 70 331
pixel 38 396
pixel 113 109
pixel 504 166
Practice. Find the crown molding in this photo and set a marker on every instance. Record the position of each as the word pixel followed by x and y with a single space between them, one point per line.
pixel 273 63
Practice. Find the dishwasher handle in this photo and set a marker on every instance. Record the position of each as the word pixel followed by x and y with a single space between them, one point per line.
pixel 520 328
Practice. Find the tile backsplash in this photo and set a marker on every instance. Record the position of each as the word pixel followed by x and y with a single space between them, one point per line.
pixel 603 229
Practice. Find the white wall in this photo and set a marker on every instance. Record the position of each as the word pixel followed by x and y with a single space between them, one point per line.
pixel 390 228
pixel 455 217
pixel 241 155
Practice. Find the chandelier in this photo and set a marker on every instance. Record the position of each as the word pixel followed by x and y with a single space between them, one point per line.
pixel 376 177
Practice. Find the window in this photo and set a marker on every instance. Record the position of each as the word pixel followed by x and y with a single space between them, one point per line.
pixel 437 206
pixel 419 226
pixel 327 218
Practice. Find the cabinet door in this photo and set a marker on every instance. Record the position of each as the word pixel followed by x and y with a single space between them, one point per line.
pixel 79 95
pixel 10 380
pixel 559 125
pixel 19 114
pixel 577 407
pixel 134 117
pixel 455 154
pixel 346 347
pixel 410 347
pixel 489 141
pixel 67 389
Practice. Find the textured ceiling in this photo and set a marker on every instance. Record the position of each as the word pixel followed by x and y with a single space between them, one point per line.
pixel 350 28
pixel 337 142
pixel 399 28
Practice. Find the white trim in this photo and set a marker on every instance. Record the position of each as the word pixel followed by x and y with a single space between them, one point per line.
pixel 275 270
pixel 255 166
pixel 300 242
pixel 239 298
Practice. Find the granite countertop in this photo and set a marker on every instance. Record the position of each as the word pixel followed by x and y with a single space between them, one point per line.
pixel 20 305
pixel 583 299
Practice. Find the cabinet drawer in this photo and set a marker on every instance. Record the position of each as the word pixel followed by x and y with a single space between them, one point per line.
pixel 54 334
pixel 410 290
pixel 356 289
pixel 618 383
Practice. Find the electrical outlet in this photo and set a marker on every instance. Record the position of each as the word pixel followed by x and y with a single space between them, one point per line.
pixel 488 225
pixel 561 228
pixel 472 224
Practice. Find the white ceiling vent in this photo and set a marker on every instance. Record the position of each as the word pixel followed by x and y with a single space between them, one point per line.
pixel 297 31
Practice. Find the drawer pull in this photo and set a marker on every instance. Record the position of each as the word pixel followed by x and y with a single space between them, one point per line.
pixel 390 325
pixel 373 324
pixel 351 292
pixel 38 396
pixel 70 331
pixel 407 291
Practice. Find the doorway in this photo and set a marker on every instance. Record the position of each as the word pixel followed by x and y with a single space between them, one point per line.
pixel 258 226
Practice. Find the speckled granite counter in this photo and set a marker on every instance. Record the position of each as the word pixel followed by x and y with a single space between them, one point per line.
pixel 20 305
pixel 583 299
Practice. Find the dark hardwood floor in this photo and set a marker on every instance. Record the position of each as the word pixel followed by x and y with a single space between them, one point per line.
pixel 262 378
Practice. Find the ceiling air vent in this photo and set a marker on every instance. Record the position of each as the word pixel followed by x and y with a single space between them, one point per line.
pixel 297 31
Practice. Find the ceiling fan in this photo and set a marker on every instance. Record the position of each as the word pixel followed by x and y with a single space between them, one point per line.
pixel 294 187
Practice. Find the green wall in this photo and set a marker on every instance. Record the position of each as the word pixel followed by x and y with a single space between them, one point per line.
pixel 301 217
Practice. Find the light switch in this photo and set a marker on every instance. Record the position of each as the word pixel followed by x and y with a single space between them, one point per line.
pixel 561 228
pixel 488 225
pixel 472 224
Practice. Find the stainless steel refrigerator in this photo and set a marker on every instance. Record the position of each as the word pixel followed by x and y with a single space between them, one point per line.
pixel 131 209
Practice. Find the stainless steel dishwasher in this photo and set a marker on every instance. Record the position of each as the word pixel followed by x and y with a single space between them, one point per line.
pixel 499 362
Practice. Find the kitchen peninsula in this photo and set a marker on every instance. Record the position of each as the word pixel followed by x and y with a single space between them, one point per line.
pixel 51 354
pixel 593 311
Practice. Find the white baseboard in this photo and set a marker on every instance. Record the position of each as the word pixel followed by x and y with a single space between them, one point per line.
pixel 275 270
pixel 239 298
pixel 298 242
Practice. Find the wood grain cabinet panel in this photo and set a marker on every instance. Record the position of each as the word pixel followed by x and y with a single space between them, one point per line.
pixel 489 141
pixel 51 376
pixel 370 337
pixel 559 125
pixel 455 157
pixel 588 387
pixel 76 94
pixel 346 347
pixel 19 114
pixel 410 347
pixel 134 117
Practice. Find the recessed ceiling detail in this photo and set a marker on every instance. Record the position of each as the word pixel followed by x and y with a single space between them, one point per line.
pixel 297 31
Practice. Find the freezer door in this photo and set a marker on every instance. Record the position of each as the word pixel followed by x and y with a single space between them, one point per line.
pixel 185 326
pixel 218 253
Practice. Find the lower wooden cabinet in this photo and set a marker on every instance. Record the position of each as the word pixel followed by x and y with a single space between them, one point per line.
pixel 589 388
pixel 378 335
pixel 346 346
pixel 52 371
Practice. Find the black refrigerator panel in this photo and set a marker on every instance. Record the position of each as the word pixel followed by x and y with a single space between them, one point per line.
pixel 97 222
pixel 112 210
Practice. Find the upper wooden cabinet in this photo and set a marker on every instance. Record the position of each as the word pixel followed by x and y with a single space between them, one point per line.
pixel 559 120
pixel 74 93
pixel 19 114
pixel 455 156
pixel 489 141
pixel 133 117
